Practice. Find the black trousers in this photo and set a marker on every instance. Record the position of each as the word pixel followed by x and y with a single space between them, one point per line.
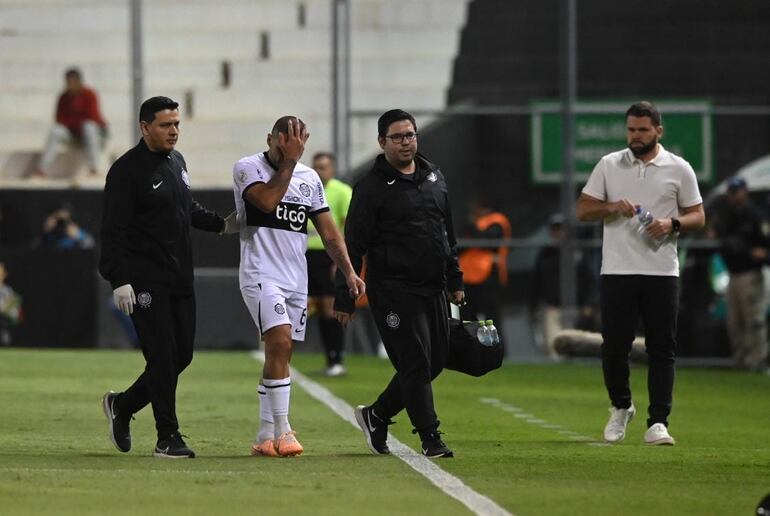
pixel 624 300
pixel 165 325
pixel 415 332
pixel 320 283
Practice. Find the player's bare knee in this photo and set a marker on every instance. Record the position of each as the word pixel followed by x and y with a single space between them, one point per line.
pixel 279 348
pixel 278 343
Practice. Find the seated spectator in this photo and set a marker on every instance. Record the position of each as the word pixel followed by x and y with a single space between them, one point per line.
pixel 10 308
pixel 61 232
pixel 78 121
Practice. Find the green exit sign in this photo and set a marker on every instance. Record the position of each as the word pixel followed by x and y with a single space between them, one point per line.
pixel 600 129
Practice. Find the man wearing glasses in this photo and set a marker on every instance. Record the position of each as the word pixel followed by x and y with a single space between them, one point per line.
pixel 400 218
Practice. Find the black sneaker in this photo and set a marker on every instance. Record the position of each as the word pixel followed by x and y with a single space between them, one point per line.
pixel 433 447
pixel 173 448
pixel 375 429
pixel 120 434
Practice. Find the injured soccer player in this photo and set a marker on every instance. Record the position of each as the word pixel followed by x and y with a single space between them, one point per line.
pixel 275 196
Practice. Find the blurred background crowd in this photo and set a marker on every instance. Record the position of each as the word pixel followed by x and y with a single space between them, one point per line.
pixel 484 79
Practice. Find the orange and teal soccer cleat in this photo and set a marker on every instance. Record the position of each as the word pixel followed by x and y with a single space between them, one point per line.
pixel 288 445
pixel 265 448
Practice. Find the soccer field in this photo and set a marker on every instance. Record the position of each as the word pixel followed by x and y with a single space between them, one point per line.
pixel 526 436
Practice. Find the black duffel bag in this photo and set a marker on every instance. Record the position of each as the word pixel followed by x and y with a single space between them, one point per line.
pixel 468 355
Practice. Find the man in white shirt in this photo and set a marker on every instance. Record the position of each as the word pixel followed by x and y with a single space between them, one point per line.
pixel 640 267
pixel 275 196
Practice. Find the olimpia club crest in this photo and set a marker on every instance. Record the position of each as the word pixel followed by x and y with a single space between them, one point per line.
pixel 392 320
pixel 304 189
pixel 144 299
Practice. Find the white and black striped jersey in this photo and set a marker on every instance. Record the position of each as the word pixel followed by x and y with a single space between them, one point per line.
pixel 273 244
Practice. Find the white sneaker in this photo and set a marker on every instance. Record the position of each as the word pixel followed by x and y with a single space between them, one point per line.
pixel 335 370
pixel 658 434
pixel 615 430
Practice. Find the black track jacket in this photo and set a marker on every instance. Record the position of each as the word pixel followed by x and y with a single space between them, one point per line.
pixel 148 209
pixel 403 224
pixel 741 230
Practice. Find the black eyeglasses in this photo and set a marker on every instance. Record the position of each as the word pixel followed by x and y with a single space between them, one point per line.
pixel 402 137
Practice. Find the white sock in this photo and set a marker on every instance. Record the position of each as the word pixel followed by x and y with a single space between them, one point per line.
pixel 266 428
pixel 278 395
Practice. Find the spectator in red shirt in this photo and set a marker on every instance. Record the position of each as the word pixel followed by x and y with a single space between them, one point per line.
pixel 78 120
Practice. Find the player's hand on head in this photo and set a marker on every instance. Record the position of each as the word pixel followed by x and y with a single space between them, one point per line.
pixel 299 130
pixel 292 144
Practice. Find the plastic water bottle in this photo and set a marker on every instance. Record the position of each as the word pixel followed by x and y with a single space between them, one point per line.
pixel 482 334
pixel 645 218
pixel 494 337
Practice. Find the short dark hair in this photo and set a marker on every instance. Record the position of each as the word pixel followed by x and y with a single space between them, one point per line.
pixel 73 72
pixel 736 183
pixel 394 115
pixel 324 154
pixel 645 108
pixel 61 206
pixel 282 124
pixel 153 105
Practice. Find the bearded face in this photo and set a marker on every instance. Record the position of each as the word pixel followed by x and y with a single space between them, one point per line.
pixel 642 136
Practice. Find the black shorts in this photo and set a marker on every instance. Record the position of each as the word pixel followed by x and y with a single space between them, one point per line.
pixel 320 273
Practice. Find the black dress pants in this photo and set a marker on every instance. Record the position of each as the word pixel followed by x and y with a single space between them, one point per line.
pixel 415 332
pixel 165 325
pixel 624 300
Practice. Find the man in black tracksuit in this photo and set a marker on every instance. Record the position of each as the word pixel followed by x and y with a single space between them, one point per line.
pixel 147 258
pixel 400 218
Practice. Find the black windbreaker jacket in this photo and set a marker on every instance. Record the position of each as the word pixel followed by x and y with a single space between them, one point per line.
pixel 148 209
pixel 403 224
pixel 739 232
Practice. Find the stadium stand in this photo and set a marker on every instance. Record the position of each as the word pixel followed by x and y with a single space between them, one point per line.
pixel 234 66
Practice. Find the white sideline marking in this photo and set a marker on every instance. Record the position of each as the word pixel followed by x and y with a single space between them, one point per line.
pixel 448 483
pixel 542 423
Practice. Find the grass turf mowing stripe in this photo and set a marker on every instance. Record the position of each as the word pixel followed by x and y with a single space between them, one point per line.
pixel 446 482
pixel 55 457
pixel 529 418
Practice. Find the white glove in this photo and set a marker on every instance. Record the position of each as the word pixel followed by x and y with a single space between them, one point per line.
pixel 232 224
pixel 124 298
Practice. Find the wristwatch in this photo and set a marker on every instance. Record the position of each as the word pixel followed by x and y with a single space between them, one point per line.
pixel 676 226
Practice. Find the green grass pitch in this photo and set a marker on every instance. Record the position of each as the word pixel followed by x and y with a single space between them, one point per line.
pixel 525 436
